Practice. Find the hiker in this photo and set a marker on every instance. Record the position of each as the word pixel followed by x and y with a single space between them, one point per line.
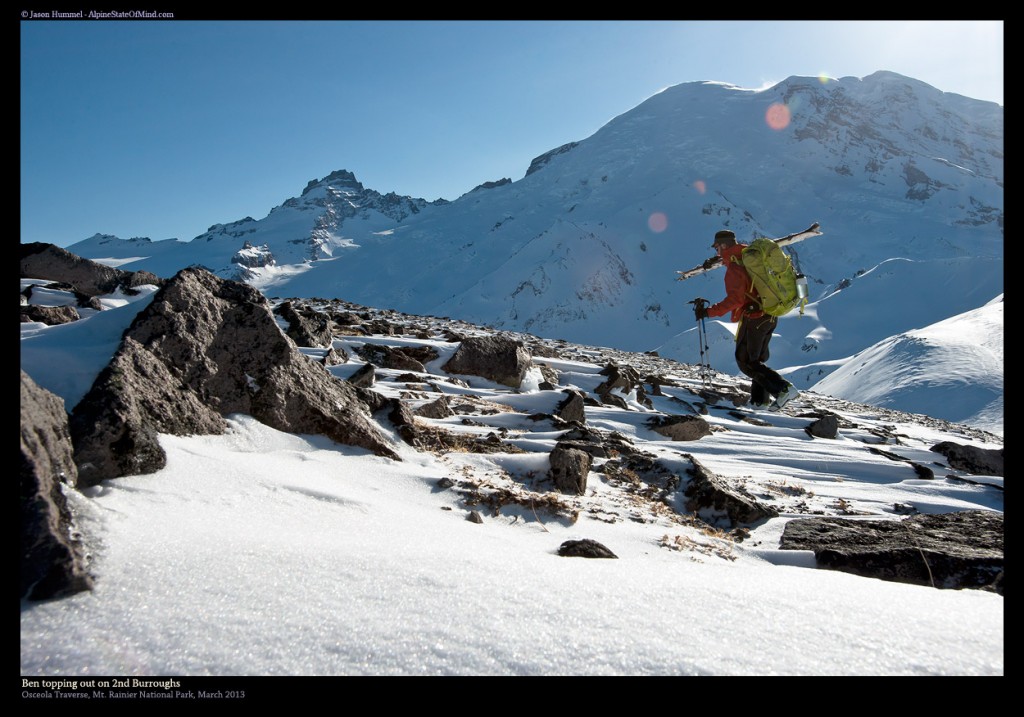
pixel 755 327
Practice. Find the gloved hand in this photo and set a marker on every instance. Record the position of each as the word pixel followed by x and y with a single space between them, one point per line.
pixel 709 263
pixel 700 311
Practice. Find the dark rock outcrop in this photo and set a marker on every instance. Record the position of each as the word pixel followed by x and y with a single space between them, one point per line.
pixel 569 469
pixel 624 379
pixel 403 419
pixel 978 461
pixel 52 562
pixel 825 427
pixel 585 548
pixel 306 327
pixel 364 377
pixel 47 261
pixel 438 408
pixel 571 409
pixel 497 358
pixel 711 497
pixel 947 550
pixel 251 257
pixel 680 428
pixel 400 358
pixel 540 161
pixel 203 349
pixel 50 315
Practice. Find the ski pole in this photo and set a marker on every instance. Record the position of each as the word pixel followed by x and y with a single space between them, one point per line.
pixel 702 336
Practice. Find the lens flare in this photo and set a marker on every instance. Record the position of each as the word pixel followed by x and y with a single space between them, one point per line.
pixel 777 116
pixel 700 186
pixel 657 222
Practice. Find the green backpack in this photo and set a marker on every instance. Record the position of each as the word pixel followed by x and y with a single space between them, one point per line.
pixel 773 276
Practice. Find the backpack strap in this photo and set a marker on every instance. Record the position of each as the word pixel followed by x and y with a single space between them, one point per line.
pixel 751 292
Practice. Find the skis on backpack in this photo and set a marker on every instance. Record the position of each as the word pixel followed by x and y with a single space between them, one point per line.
pixel 714 262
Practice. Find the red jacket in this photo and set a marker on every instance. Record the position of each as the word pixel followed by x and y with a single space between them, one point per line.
pixel 739 290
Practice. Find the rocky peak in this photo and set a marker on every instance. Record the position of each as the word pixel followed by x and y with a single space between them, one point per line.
pixel 539 162
pixel 341 178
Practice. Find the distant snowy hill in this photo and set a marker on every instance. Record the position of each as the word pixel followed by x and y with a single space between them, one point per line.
pixel 906 181
pixel 953 369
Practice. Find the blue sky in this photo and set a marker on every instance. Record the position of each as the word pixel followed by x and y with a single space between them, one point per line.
pixel 162 129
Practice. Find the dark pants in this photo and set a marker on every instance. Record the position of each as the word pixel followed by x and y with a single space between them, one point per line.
pixel 752 340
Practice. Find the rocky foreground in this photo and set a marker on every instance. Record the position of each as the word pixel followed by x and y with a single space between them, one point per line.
pixel 204 348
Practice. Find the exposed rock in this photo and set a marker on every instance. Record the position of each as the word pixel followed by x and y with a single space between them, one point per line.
pixel 438 408
pixel 402 419
pixel 334 356
pixel 364 377
pixel 49 315
pixel 585 548
pixel 377 326
pixel 252 257
pixel 595 443
pixel 710 496
pixel 496 358
pixel 680 428
pixel 205 348
pixel 548 374
pixel 569 469
pixel 47 261
pixel 373 400
pixel 948 550
pixel 825 427
pixel 52 561
pixel 491 185
pixel 571 409
pixel 612 399
pixel 474 517
pixel 392 357
pixel 538 348
pixel 345 318
pixel 922 471
pixel 624 379
pixel 978 461
pixel 541 160
pixel 719 393
pixel 306 327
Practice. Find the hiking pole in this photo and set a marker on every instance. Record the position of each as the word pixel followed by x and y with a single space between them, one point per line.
pixel 702 338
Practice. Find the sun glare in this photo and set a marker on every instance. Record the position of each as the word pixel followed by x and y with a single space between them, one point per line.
pixel 657 222
pixel 777 117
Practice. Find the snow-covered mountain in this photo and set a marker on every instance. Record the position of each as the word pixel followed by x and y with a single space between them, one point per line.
pixel 906 181
pixel 918 370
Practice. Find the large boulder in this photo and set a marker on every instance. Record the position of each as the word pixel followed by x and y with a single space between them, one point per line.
pixel 497 358
pixel 203 349
pixel 571 409
pixel 52 562
pixel 569 469
pixel 971 459
pixel 40 260
pixel 49 315
pixel 948 550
